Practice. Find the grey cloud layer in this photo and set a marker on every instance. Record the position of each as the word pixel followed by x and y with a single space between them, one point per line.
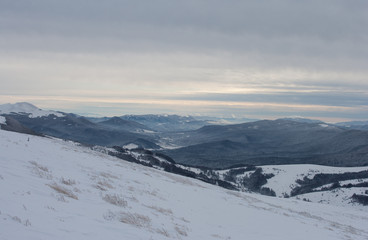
pixel 264 26
pixel 346 99
pixel 175 46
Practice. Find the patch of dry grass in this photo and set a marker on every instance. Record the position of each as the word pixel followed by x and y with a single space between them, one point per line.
pixel 163 231
pixel 181 230
pixel 108 175
pixel 184 220
pixel 103 185
pixel 41 171
pixel 42 168
pixel 100 187
pixel 134 219
pixel 64 191
pixel 17 219
pixel 161 210
pixel 115 200
pixel 68 181
pixel 133 199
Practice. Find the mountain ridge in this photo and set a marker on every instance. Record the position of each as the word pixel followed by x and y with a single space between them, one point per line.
pixel 264 142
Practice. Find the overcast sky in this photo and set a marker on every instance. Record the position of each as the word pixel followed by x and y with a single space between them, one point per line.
pixel 256 59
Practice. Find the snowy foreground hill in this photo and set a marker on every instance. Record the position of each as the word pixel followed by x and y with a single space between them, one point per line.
pixel 54 189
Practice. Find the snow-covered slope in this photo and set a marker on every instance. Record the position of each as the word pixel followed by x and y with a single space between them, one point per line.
pixel 337 197
pixel 286 175
pixel 2 120
pixel 26 108
pixel 316 183
pixel 53 189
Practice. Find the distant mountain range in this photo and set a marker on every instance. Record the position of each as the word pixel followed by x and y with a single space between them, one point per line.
pixel 125 125
pixel 161 122
pixel 196 142
pixel 167 123
pixel 359 125
pixel 77 128
pixel 271 142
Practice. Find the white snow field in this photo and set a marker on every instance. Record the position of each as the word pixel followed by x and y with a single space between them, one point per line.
pixel 55 189
pixel 286 175
pixel 285 178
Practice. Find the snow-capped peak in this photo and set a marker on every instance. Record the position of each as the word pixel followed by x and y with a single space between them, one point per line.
pixel 26 108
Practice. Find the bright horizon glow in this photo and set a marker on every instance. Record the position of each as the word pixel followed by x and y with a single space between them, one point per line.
pixel 72 105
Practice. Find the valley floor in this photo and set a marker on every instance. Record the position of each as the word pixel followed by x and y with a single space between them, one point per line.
pixel 54 189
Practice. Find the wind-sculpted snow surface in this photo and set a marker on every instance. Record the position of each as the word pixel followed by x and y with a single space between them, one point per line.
pixel 54 189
